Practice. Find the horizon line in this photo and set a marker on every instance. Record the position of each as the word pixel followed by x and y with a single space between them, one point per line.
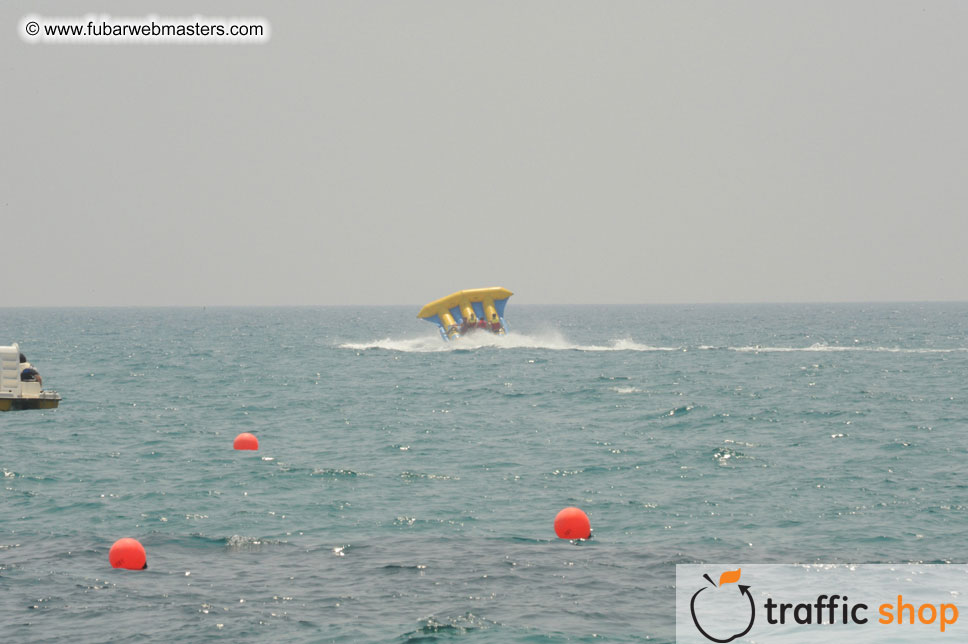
pixel 517 304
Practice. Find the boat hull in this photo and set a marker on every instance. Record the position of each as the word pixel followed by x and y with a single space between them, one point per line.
pixel 19 404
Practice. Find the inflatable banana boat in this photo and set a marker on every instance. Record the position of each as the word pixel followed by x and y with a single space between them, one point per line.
pixel 466 311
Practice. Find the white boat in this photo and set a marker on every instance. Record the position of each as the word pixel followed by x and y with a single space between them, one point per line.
pixel 16 393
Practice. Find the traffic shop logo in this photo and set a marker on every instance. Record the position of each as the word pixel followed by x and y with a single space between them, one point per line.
pixel 713 599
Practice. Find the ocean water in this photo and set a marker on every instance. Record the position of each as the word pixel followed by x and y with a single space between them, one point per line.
pixel 405 489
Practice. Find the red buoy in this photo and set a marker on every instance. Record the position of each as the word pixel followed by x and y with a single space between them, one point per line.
pixel 129 554
pixel 246 440
pixel 572 523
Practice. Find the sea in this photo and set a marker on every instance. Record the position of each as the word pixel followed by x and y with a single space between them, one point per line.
pixel 405 488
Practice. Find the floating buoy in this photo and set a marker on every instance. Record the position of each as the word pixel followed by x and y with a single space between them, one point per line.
pixel 246 440
pixel 572 523
pixel 129 554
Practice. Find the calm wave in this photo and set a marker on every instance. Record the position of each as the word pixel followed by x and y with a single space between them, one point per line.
pixel 405 489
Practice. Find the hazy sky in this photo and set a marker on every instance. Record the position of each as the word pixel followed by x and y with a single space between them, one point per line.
pixel 573 152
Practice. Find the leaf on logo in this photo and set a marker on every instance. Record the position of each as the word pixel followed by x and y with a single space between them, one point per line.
pixel 729 577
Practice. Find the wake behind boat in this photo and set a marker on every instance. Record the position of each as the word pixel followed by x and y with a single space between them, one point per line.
pixel 479 309
pixel 21 386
